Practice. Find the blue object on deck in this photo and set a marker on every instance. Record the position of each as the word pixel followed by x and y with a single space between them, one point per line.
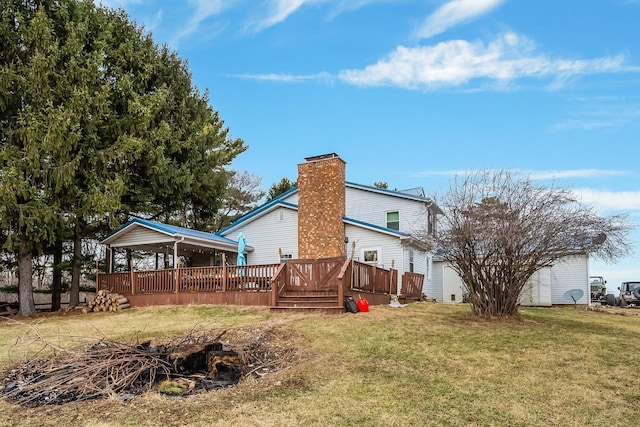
pixel 242 243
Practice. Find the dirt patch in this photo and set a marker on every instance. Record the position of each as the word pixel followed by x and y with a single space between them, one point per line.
pixel 198 362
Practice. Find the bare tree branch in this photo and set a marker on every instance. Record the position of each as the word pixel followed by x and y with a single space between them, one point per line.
pixel 499 228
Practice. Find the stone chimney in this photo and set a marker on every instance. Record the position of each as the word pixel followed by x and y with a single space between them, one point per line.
pixel 321 207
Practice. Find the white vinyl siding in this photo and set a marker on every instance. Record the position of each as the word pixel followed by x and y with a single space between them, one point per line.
pixel 389 247
pixel 268 234
pixel 565 275
pixel 139 235
pixel 435 286
pixel 371 207
pixel 570 273
pixel 269 231
pixel 421 265
pixel 292 198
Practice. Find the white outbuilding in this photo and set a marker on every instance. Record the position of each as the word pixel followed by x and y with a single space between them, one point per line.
pixel 565 282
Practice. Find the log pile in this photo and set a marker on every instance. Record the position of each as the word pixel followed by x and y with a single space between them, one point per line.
pixel 106 301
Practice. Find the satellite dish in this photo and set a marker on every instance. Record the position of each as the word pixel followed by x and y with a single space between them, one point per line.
pixel 573 295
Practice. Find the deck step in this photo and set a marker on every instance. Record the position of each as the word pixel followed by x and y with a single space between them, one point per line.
pixel 308 300
pixel 322 301
pixel 313 309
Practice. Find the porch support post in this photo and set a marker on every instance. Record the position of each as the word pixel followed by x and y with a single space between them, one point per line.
pixel 108 262
pixel 175 266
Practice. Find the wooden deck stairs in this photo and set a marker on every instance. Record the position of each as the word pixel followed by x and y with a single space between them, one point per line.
pixel 325 302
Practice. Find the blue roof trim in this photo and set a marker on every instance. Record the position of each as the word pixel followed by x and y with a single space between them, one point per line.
pixel 278 201
pixel 404 194
pixel 255 212
pixel 375 227
pixel 173 230
pixel 388 192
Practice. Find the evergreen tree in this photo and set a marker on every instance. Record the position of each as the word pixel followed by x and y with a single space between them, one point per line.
pixel 97 121
pixel 280 187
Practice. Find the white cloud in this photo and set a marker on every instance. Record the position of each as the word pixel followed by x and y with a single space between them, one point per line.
pixel 278 11
pixel 453 13
pixel 574 173
pixel 203 9
pixel 453 63
pixel 351 5
pixel 537 175
pixel 610 200
pixel 284 78
pixel 609 116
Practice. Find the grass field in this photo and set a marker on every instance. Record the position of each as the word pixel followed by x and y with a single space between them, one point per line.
pixel 426 364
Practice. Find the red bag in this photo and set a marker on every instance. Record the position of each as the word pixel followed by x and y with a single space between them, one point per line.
pixel 363 304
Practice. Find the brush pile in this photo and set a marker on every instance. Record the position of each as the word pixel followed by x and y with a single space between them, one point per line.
pixel 195 363
pixel 106 368
pixel 105 301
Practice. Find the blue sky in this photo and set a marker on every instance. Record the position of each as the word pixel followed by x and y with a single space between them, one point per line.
pixel 412 92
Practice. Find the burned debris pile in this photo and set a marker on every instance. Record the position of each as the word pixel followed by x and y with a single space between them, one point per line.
pixel 192 364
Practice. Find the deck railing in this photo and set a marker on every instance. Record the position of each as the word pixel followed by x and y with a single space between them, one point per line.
pixel 335 274
pixel 193 279
pixel 370 278
pixel 412 285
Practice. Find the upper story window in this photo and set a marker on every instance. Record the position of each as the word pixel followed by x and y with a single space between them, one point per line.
pixel 431 223
pixel 393 220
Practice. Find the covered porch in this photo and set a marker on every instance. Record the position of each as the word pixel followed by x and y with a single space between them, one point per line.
pixel 171 246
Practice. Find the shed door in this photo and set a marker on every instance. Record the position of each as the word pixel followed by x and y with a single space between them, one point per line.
pixel 452 287
pixel 537 291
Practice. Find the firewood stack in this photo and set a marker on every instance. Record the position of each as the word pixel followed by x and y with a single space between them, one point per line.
pixel 106 301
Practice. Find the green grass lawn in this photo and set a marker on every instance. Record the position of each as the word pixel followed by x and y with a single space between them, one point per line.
pixel 426 364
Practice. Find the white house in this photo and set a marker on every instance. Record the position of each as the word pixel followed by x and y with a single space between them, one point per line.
pixel 553 285
pixel 378 224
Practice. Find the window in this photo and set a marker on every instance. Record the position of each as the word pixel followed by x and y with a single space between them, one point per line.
pixel 427 273
pixel 431 223
pixel 393 220
pixel 410 260
pixel 372 255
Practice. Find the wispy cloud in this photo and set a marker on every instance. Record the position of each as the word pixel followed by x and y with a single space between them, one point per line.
pixel 604 200
pixel 454 63
pixel 278 11
pixel 611 116
pixel 573 173
pixel 284 78
pixel 535 174
pixel 453 13
pixel 202 10
pixel 610 200
pixel 343 6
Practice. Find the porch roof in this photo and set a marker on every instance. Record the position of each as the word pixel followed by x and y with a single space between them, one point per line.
pixel 146 235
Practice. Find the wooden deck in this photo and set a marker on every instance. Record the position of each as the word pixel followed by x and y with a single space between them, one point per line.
pixel 319 284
